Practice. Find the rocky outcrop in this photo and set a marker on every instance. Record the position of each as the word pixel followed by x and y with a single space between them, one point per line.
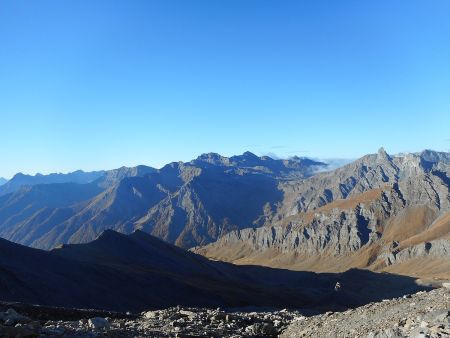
pixel 438 249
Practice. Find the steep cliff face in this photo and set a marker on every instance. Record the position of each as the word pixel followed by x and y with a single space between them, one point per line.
pixel 374 212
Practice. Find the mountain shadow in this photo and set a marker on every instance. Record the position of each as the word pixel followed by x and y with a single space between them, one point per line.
pixel 137 272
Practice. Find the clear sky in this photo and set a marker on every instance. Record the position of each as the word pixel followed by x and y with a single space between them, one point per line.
pixel 90 84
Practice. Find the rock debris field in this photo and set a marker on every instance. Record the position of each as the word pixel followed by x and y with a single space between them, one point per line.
pixel 424 314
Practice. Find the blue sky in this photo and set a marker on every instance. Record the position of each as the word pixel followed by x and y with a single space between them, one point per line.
pixel 100 84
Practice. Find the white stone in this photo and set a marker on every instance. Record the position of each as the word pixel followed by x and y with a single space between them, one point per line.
pixel 150 314
pixel 98 323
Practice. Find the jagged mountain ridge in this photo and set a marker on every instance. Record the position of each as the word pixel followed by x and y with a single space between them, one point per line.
pixel 184 203
pixel 380 212
pixel 294 167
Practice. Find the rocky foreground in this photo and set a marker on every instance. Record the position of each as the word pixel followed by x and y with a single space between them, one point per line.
pixel 172 322
pixel 424 314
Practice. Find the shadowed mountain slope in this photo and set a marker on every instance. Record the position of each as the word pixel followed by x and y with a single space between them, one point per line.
pixel 138 271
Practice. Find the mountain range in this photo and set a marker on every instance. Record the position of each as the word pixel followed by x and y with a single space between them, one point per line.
pixel 380 212
pixel 188 204
pixel 3 181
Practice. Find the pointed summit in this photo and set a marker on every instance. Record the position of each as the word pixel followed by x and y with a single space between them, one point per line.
pixel 249 154
pixel 246 159
pixel 383 155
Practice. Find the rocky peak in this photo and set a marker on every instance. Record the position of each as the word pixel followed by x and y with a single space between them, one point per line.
pixel 212 158
pixel 383 155
pixel 247 159
pixel 249 154
pixel 110 234
pixel 415 164
pixel 435 156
